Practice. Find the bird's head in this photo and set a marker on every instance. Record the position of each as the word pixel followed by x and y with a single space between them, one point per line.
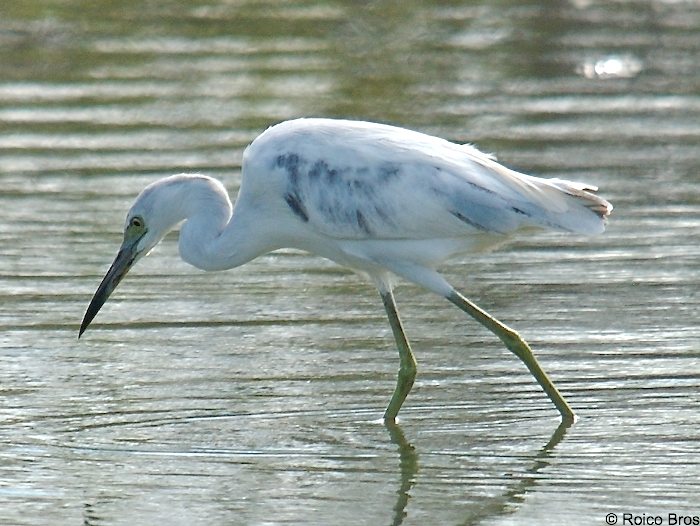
pixel 153 214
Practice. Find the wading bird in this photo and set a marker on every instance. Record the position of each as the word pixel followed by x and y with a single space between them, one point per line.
pixel 376 198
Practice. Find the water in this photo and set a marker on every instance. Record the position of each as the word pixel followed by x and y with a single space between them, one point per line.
pixel 254 396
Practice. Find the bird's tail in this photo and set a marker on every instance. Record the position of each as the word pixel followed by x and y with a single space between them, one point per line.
pixel 549 203
pixel 573 206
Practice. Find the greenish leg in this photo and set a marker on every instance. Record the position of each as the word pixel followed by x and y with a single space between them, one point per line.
pixel 408 367
pixel 517 346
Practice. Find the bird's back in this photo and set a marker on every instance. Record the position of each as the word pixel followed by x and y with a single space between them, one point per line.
pixel 356 180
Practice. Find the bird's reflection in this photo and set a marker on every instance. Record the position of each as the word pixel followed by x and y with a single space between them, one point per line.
pixel 408 468
pixel 508 502
pixel 498 506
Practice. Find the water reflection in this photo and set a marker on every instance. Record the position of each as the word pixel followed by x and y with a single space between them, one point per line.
pixel 397 495
pixel 508 502
pixel 502 505
pixel 408 470
pixel 611 67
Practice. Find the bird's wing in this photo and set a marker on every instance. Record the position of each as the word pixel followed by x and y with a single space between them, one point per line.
pixel 358 180
pixel 425 191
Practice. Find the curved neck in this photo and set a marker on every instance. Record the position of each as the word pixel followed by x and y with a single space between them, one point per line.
pixel 215 235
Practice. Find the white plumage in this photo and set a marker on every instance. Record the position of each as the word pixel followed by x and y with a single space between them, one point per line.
pixel 380 199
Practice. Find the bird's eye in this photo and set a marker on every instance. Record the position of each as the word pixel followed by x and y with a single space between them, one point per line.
pixel 136 222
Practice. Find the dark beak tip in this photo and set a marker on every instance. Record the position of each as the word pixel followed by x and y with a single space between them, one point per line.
pixel 87 320
pixel 83 328
pixel 120 266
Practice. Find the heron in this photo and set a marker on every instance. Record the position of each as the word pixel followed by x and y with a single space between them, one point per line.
pixel 382 200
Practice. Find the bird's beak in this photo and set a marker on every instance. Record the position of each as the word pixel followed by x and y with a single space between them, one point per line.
pixel 120 266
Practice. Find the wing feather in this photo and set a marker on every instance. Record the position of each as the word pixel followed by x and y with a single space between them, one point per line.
pixel 359 181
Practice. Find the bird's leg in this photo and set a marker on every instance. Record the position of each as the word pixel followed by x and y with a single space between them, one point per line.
pixel 407 369
pixel 517 346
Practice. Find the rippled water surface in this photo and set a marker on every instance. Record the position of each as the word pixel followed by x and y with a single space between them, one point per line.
pixel 255 396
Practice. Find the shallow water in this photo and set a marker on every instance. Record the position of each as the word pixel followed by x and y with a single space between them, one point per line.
pixel 255 396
